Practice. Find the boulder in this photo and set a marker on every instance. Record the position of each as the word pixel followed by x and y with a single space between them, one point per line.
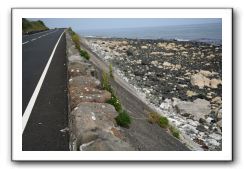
pixel 84 81
pixel 87 118
pixel 214 83
pixel 87 94
pixel 92 128
pixel 199 108
pixel 75 57
pixel 80 69
pixel 106 142
pixel 200 80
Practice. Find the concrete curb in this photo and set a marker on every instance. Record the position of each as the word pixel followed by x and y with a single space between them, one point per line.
pixel 91 121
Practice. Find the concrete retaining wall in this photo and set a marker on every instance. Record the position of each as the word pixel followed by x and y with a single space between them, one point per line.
pixel 91 121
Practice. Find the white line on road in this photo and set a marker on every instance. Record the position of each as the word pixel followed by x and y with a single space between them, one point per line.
pixel 25 42
pixel 39 37
pixel 36 33
pixel 32 101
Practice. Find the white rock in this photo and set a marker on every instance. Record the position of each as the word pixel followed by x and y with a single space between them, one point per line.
pixel 155 63
pixel 205 73
pixel 214 83
pixel 200 80
pixel 190 129
pixel 219 123
pixel 192 122
pixel 190 93
pixel 166 105
pixel 213 142
pixel 167 64
pixel 144 47
pixel 199 108
pixel 215 136
pixel 209 119
pixel 219 114
pixel 160 67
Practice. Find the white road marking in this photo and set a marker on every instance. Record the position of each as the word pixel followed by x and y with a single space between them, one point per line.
pixel 32 101
pixel 39 37
pixel 36 33
pixel 25 42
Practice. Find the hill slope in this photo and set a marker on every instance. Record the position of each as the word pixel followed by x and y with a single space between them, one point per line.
pixel 32 26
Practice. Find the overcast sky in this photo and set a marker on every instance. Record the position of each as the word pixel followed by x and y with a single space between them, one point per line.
pixel 108 23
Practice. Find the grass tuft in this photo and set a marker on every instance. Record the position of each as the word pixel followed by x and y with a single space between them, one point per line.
pixel 123 119
pixel 163 122
pixel 175 132
pixel 153 117
pixel 105 82
pixel 84 54
pixel 111 71
pixel 115 102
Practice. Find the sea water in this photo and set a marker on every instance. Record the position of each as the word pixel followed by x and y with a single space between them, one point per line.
pixel 210 32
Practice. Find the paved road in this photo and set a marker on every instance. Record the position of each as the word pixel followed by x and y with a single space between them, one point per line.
pixel 32 37
pixel 141 134
pixel 49 114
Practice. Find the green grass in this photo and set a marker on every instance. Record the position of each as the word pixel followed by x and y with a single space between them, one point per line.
pixel 105 82
pixel 76 40
pixel 163 122
pixel 84 54
pixel 175 132
pixel 123 119
pixel 28 26
pixel 115 102
pixel 111 71
pixel 154 117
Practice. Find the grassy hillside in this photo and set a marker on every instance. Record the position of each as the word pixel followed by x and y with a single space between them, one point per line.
pixel 29 26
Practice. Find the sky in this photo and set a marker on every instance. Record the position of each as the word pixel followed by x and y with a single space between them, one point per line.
pixel 113 23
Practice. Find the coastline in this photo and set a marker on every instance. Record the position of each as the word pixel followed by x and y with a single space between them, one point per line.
pixel 172 76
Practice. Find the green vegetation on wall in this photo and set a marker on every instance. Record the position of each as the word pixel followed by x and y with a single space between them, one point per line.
pixel 123 119
pixel 76 39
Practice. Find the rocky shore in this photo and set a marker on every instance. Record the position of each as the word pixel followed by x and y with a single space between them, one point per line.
pixel 183 80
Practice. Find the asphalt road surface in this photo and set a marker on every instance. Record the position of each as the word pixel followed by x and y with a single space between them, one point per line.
pixel 141 135
pixel 45 128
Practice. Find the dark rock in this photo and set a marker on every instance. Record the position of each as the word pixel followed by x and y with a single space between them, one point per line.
pixel 202 121
pixel 201 128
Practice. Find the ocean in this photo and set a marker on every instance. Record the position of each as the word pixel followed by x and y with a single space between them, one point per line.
pixel 210 33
